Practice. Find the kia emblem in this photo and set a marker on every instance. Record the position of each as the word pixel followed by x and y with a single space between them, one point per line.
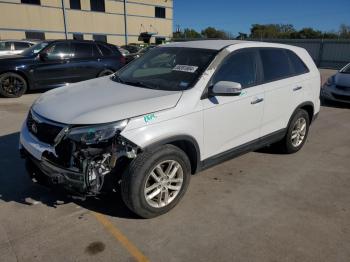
pixel 34 128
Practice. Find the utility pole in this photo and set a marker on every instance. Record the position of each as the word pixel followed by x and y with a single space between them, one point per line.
pixel 125 23
pixel 64 20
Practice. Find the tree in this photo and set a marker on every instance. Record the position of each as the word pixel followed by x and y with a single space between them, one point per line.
pixel 344 31
pixel 211 32
pixel 188 33
pixel 308 33
pixel 272 31
pixel 191 33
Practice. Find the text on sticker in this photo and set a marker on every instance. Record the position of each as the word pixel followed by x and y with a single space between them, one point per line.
pixel 185 68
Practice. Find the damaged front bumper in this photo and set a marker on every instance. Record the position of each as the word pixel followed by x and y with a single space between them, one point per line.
pixel 79 169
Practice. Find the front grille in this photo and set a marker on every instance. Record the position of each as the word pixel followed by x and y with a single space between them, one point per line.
pixel 44 131
pixel 341 97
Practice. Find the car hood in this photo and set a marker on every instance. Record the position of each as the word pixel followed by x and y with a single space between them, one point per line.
pixel 342 79
pixel 101 100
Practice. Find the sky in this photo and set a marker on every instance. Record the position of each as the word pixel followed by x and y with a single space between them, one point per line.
pixel 238 15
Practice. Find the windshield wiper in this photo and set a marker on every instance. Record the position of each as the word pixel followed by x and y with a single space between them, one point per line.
pixel 132 83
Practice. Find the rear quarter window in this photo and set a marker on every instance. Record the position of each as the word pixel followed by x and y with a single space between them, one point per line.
pixel 105 50
pixel 275 64
pixel 298 65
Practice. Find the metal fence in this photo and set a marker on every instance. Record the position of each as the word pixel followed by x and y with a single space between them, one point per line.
pixel 333 54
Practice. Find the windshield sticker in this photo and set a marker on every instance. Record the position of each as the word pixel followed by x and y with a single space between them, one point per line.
pixel 185 68
pixel 149 118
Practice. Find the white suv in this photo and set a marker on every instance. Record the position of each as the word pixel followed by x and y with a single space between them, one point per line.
pixel 177 110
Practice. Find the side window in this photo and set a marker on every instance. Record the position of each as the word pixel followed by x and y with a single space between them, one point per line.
pixel 59 51
pixel 5 46
pixel 21 45
pixel 82 50
pixel 239 67
pixel 275 63
pixel 297 64
pixel 105 50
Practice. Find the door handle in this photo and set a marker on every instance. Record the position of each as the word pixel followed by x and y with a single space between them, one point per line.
pixel 297 88
pixel 258 100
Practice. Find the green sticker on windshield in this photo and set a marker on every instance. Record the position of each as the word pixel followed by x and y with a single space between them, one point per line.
pixel 149 118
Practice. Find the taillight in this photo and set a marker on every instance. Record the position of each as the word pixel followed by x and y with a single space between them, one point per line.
pixel 122 60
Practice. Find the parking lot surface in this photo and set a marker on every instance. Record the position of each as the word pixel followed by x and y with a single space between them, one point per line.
pixel 258 207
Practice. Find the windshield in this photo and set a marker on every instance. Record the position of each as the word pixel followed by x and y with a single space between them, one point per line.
pixel 166 68
pixel 34 49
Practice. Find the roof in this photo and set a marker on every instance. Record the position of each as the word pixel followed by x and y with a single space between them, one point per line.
pixel 18 40
pixel 206 44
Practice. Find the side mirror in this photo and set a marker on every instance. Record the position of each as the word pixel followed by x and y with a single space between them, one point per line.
pixel 225 88
pixel 43 56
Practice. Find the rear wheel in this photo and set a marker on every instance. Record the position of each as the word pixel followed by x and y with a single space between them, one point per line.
pixel 12 85
pixel 156 181
pixel 297 132
pixel 105 72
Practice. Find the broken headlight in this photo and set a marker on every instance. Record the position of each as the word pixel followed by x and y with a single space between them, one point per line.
pixel 94 134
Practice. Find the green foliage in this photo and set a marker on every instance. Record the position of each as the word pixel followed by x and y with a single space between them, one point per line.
pixel 211 32
pixel 271 31
pixel 266 31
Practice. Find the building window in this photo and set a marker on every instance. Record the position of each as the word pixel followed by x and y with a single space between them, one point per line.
pixel 75 4
pixel 35 35
pixel 97 5
pixel 32 2
pixel 78 36
pixel 160 12
pixel 102 38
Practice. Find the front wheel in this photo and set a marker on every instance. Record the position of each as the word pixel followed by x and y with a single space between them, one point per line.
pixel 156 181
pixel 12 85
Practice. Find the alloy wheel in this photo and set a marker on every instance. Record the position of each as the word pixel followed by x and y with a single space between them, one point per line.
pixel 12 84
pixel 163 183
pixel 299 132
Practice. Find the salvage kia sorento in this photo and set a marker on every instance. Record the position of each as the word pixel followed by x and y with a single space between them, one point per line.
pixel 175 111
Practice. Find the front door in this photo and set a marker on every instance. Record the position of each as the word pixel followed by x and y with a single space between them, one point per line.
pixel 231 121
pixel 54 69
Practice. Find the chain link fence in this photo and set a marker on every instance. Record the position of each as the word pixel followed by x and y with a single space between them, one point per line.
pixel 331 54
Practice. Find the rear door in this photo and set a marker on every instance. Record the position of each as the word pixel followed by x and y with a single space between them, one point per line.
pixel 284 89
pixel 86 61
pixel 111 56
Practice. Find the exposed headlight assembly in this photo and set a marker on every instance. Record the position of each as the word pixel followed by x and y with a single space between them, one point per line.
pixel 94 134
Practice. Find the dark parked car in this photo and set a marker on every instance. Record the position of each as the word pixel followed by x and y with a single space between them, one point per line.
pixel 141 52
pixel 50 64
pixel 132 48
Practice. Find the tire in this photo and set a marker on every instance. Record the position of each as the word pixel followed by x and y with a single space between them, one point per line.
pixel 137 178
pixel 295 137
pixel 12 85
pixel 105 72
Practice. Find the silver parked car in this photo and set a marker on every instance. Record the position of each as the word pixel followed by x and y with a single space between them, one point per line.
pixel 337 87
pixel 14 47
